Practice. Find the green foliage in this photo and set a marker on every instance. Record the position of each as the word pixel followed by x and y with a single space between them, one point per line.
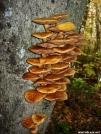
pixel 80 86
pixel 60 128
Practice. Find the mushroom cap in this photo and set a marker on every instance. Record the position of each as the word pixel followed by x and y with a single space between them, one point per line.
pixel 71 59
pixel 47 45
pixel 63 41
pixel 66 56
pixel 33 96
pixel 58 95
pixel 50 88
pixel 42 82
pixel 45 21
pixel 63 88
pixel 52 59
pixel 30 76
pixel 68 72
pixel 64 49
pixel 41 50
pixel 75 51
pixel 42 35
pixel 27 122
pixel 39 118
pixel 38 70
pixel 76 36
pixel 58 71
pixel 59 16
pixel 64 27
pixel 53 77
pixel 34 129
pixel 63 81
pixel 34 61
pixel 59 65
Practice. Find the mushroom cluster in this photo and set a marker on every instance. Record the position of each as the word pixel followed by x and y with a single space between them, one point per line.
pixel 57 50
pixel 33 122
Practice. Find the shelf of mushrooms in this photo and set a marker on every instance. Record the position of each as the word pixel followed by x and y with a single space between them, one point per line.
pixel 59 47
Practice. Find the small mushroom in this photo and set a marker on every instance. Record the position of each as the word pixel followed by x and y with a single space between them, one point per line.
pixel 58 71
pixel 64 49
pixel 47 45
pixel 38 118
pixel 39 70
pixel 33 96
pixel 52 59
pixel 63 41
pixel 58 95
pixel 63 81
pixel 34 61
pixel 75 51
pixel 63 88
pixel 42 35
pixel 27 122
pixel 30 76
pixel 50 88
pixel 42 82
pixel 59 65
pixel 41 50
pixel 34 129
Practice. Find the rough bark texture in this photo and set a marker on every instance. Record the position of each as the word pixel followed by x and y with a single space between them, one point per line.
pixel 15 38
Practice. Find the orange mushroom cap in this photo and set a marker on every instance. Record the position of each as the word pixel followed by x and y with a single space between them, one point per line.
pixel 58 95
pixel 27 122
pixel 39 70
pixel 30 76
pixel 34 129
pixel 50 88
pixel 41 50
pixel 45 21
pixel 42 35
pixel 33 96
pixel 52 59
pixel 47 45
pixel 38 118
pixel 63 81
pixel 42 82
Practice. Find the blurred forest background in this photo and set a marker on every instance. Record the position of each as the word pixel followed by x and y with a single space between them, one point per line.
pixel 82 110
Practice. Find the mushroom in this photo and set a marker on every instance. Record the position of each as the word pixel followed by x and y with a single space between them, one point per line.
pixel 42 35
pixel 30 76
pixel 33 96
pixel 63 88
pixel 41 50
pixel 64 49
pixel 42 82
pixel 34 129
pixel 27 122
pixel 38 70
pixel 75 51
pixel 47 45
pixel 50 88
pixel 38 118
pixel 63 81
pixel 59 16
pixel 34 61
pixel 59 65
pixel 63 41
pixel 58 71
pixel 58 95
pixel 61 28
pixel 46 22
pixel 51 59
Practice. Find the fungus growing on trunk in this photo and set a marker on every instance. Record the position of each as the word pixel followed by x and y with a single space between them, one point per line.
pixel 49 72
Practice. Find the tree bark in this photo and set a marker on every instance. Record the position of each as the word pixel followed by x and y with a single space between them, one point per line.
pixel 15 38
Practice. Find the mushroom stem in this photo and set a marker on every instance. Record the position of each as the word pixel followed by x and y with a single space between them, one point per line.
pixel 46 27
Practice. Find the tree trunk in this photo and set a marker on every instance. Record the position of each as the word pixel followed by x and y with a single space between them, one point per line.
pixel 15 38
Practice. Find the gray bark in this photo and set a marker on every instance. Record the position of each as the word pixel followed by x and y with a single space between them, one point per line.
pixel 15 38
